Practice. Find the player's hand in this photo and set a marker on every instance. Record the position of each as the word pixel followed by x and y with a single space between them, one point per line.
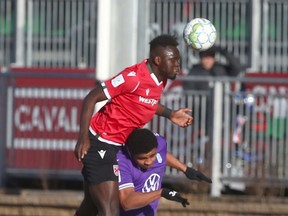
pixel 196 175
pixel 81 148
pixel 181 117
pixel 174 196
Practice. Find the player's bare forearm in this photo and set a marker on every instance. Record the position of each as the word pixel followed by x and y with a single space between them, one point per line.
pixel 179 117
pixel 175 163
pixel 188 171
pixel 88 106
pixel 163 111
pixel 85 116
pixel 83 143
pixel 129 199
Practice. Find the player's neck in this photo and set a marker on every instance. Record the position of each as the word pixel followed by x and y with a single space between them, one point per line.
pixel 153 71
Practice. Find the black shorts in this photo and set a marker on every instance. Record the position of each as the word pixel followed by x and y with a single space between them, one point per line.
pixel 100 163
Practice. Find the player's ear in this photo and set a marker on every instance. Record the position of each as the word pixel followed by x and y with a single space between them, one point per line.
pixel 157 60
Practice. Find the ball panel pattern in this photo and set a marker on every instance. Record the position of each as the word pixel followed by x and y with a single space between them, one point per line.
pixel 200 34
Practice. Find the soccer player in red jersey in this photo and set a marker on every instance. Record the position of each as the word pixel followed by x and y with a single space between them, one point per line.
pixel 133 99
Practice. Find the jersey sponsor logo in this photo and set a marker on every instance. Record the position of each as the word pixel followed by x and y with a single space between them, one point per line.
pixel 148 100
pixel 117 80
pixel 132 74
pixel 147 92
pixel 152 183
pixel 102 153
pixel 116 170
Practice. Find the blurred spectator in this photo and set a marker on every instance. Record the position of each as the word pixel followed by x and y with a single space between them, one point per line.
pixel 208 66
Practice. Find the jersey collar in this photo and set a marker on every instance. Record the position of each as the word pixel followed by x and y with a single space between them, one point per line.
pixel 153 75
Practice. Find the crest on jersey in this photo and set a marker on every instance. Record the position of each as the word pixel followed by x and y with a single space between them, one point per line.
pixel 116 170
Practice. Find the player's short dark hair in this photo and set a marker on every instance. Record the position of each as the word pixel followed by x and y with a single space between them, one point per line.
pixel 163 41
pixel 141 141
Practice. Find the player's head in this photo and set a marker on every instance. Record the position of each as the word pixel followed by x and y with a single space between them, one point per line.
pixel 142 145
pixel 164 56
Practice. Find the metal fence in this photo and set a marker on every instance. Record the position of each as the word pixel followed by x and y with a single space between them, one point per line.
pixel 246 137
pixel 63 33
pixel 244 134
pixel 240 137
pixel 255 31
pixel 48 33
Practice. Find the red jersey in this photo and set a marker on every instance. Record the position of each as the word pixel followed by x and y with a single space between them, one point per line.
pixel 133 97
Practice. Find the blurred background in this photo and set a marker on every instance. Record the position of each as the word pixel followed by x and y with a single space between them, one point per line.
pixel 52 52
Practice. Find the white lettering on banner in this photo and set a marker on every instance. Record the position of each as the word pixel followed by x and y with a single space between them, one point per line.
pixel 148 100
pixel 17 116
pixel 36 120
pixel 47 119
pixel 50 116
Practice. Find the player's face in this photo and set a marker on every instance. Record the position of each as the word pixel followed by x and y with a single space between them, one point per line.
pixel 146 160
pixel 169 65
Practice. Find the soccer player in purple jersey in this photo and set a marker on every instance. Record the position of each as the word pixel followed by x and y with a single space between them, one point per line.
pixel 141 169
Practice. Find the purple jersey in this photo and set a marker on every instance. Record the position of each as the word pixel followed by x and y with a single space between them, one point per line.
pixel 130 175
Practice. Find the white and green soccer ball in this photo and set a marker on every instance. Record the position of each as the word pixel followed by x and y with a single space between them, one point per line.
pixel 200 34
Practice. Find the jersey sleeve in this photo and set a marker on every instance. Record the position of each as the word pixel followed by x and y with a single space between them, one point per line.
pixel 125 171
pixel 126 81
pixel 162 143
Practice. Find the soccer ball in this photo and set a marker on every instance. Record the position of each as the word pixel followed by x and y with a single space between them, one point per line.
pixel 200 34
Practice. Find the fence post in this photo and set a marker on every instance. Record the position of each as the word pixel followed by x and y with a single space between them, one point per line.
pixel 255 35
pixel 216 144
pixel 3 125
pixel 20 36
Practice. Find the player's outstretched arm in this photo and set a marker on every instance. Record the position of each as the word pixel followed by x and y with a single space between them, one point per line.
pixel 88 106
pixel 196 175
pixel 188 171
pixel 179 117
